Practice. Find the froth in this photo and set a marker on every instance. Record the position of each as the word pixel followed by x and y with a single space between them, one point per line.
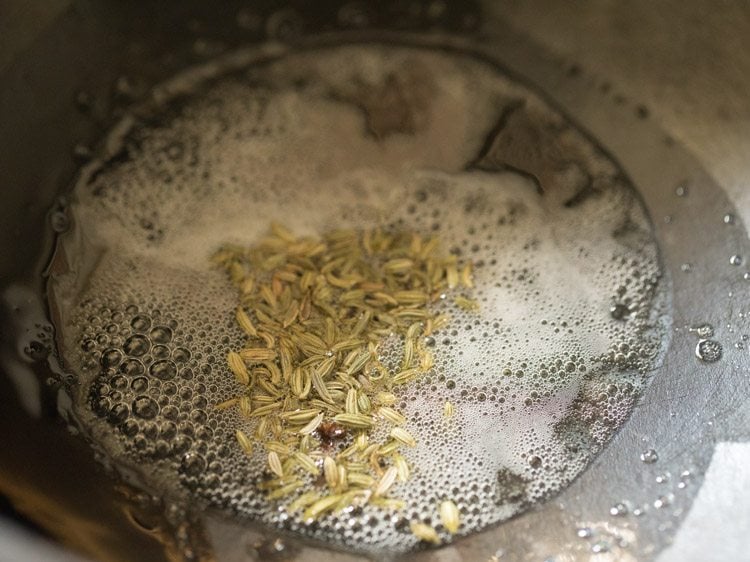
pixel 540 377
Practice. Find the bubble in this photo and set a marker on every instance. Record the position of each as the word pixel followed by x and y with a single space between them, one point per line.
pixel 136 345
pixel 735 260
pixel 130 427
pixel 620 509
pixel 59 221
pixel 709 351
pixel 181 355
pixel 161 334
pixel 193 464
pixel 663 501
pixel 132 367
pixel 601 546
pixel 649 456
pixel 619 311
pixel 111 358
pixel 139 384
pixel 164 370
pixel 584 532
pixel 703 330
pixel 36 350
pixel 118 413
pixel 140 323
pixel 144 407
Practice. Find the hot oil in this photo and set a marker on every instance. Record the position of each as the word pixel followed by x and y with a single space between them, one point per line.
pixel 572 308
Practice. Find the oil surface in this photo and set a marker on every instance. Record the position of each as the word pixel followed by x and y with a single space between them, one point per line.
pixel 572 306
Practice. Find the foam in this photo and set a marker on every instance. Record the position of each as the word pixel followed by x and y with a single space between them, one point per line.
pixel 540 378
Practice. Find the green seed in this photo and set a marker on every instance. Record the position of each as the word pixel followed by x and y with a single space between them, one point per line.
pixel 274 463
pixel 424 532
pixel 357 421
pixel 307 463
pixel 403 436
pixel 321 506
pixel 391 415
pixel 312 425
pixel 386 481
pixel 244 442
pixel 450 516
pixel 448 410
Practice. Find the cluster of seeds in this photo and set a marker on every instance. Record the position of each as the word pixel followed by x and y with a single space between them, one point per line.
pixel 317 396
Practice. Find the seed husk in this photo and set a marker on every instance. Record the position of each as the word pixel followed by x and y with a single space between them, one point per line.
pixel 388 503
pixel 320 387
pixel 403 436
pixel 282 232
pixel 451 275
pixel 448 410
pixel 274 463
pixel 359 362
pixel 303 501
pixel 285 490
pixel 450 516
pixel 244 322
pixel 321 506
pixel 238 368
pixel 277 447
pixel 364 404
pixel 386 481
pixel 266 409
pixel 385 398
pixel 360 479
pixel 258 355
pixel 390 447
pixel 467 275
pixel 245 406
pixel 400 265
pixel 312 425
pixel 306 462
pixel 426 360
pixel 351 406
pixel 410 297
pixel 300 383
pixel 470 305
pixel 357 421
pixel 392 415
pixel 424 532
pixel 300 416
pixel 244 442
pixel 226 404
pixel 342 478
pixel 331 472
pixel 407 375
pixel 402 467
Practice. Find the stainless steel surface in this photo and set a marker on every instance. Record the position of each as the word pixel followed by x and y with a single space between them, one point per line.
pixel 646 80
pixel 687 62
